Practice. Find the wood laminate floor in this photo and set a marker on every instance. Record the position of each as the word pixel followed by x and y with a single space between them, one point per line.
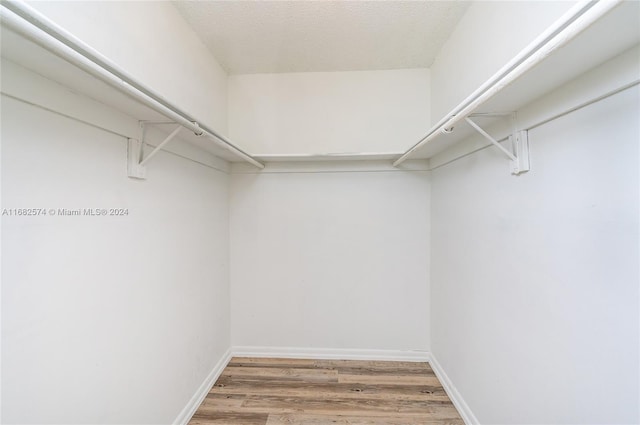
pixel 254 391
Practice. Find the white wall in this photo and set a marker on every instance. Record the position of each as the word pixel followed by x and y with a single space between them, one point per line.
pixel 330 257
pixel 152 42
pixel 329 112
pixel 534 279
pixel 489 34
pixel 106 319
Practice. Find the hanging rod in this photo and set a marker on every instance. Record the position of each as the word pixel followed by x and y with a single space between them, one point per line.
pixel 635 82
pixel 574 21
pixel 31 24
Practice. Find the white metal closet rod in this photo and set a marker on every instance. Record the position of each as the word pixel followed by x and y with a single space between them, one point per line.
pixel 576 20
pixel 36 27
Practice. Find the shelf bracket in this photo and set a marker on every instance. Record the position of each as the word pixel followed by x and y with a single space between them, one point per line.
pixel 135 152
pixel 519 143
pixel 134 169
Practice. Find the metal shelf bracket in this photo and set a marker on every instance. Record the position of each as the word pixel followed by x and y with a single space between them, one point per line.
pixel 519 142
pixel 135 151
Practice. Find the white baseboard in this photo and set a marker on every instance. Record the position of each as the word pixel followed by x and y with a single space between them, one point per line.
pixel 190 409
pixel 463 408
pixel 331 353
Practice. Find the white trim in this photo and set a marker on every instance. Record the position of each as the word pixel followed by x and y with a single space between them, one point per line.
pixel 463 408
pixel 190 409
pixel 344 156
pixel 331 353
pixel 332 166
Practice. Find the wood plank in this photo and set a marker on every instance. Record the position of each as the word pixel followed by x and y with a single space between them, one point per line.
pixel 270 361
pixel 223 402
pixel 345 406
pixel 388 379
pixel 337 406
pixel 376 365
pixel 201 418
pixel 229 385
pixel 301 419
pixel 347 366
pixel 282 374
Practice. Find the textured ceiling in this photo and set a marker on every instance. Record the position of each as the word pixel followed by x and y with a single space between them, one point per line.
pixel 301 36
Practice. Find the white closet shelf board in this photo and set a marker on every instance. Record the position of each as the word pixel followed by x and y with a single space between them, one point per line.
pixel 31 56
pixel 346 156
pixel 614 33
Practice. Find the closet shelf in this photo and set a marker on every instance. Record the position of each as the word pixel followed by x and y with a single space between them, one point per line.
pixel 35 40
pixel 340 156
pixel 590 34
